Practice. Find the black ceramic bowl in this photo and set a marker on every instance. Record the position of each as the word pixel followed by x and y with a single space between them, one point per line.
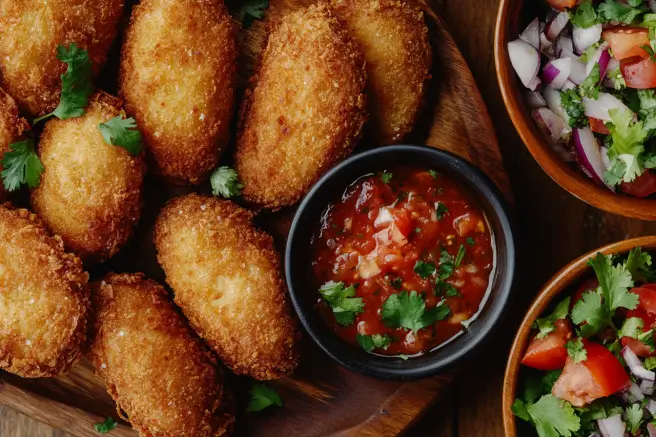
pixel 302 285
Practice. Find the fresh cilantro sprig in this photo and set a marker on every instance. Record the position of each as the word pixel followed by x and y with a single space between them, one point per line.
pixel 627 138
pixel 424 269
pixel 590 86
pixel 408 311
pixel 634 416
pixel 440 210
pixel 262 396
pixel 573 105
pixel 225 182
pixel 343 301
pixel 375 341
pixel 106 426
pixel 546 324
pixel 122 132
pixel 611 10
pixel 21 165
pixel 386 177
pixel 76 83
pixel 552 417
pixel 576 350
pixel 585 15
pixel 251 10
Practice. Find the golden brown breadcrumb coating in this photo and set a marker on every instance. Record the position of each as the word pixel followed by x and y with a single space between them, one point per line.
pixel 44 299
pixel 31 30
pixel 12 127
pixel 155 368
pixel 90 191
pixel 226 277
pixel 177 78
pixel 394 39
pixel 306 108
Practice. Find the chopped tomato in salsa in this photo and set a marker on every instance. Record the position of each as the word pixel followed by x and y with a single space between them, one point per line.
pixel 402 259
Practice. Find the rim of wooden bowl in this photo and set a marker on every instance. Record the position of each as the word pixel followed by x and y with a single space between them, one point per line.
pixel 559 283
pixel 568 177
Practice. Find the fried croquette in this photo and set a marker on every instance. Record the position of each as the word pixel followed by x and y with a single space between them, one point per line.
pixel 31 30
pixel 12 127
pixel 394 39
pixel 305 109
pixel 90 191
pixel 44 299
pixel 177 77
pixel 155 368
pixel 226 277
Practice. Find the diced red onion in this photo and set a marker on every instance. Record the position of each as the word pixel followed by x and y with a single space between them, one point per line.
pixel 532 34
pixel 569 85
pixel 565 44
pixel 554 103
pixel 555 26
pixel 601 57
pixel 651 406
pixel 588 153
pixel 599 108
pixel 556 72
pixel 525 60
pixel 651 429
pixel 534 84
pixel 612 426
pixel 635 365
pixel 549 123
pixel 577 72
pixel 535 100
pixel 585 37
pixel 635 394
pixel 647 387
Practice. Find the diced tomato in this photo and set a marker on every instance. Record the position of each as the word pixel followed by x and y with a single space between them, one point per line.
pixel 638 73
pixel 638 347
pixel 561 5
pixel 402 220
pixel 588 285
pixel 643 186
pixel 646 311
pixel 598 126
pixel 549 353
pixel 647 294
pixel 599 375
pixel 468 223
pixel 626 42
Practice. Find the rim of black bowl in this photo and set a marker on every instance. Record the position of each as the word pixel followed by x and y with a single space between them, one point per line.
pixel 299 277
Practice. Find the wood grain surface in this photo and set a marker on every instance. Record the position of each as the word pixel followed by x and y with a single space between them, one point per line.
pixel 554 229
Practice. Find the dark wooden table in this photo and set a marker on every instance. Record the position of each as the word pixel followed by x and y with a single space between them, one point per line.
pixel 553 227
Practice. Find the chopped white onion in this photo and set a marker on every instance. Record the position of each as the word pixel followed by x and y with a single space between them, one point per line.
pixel 384 217
pixel 547 48
pixel 635 394
pixel 577 72
pixel 367 268
pixel 535 100
pixel 556 72
pixel 599 108
pixel 532 34
pixel 612 426
pixel 651 406
pixel 647 387
pixel 525 60
pixel 565 44
pixel 569 85
pixel 554 103
pixel 555 26
pixel 635 365
pixel 585 37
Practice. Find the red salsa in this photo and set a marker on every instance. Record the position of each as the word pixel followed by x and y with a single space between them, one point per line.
pixel 403 261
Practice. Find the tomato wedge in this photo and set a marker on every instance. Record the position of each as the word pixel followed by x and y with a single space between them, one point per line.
pixel 647 294
pixel 561 5
pixel 643 186
pixel 626 42
pixel 549 353
pixel 601 374
pixel 598 126
pixel 638 73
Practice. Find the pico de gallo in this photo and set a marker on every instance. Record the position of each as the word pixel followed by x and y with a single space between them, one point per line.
pixel 403 261
pixel 590 70
pixel 589 366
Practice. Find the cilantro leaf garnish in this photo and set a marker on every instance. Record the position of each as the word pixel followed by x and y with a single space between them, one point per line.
pixel 576 350
pixel 262 396
pixel 589 309
pixel 546 324
pixel 251 10
pixel 386 177
pixel 440 210
pixel 225 182
pixel 122 132
pixel 585 15
pixel 650 363
pixel 632 327
pixel 638 263
pixel 106 426
pixel 633 418
pixel 460 255
pixel 424 269
pixel 552 417
pixel 408 310
pixel 345 306
pixel 21 165
pixel 573 105
pixel 433 173
pixel 590 86
pixel 627 142
pixel 470 241
pixel 76 83
pixel 615 282
pixel 610 10
pixel 371 342
pixel 616 78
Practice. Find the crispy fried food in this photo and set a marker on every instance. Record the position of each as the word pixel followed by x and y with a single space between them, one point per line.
pixel 177 78
pixel 90 192
pixel 12 127
pixel 394 40
pixel 226 277
pixel 31 30
pixel 305 111
pixel 44 299
pixel 155 368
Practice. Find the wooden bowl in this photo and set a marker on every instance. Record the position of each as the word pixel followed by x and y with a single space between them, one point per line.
pixel 565 280
pixel 512 17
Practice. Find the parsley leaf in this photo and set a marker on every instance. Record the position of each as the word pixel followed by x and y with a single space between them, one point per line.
pixel 611 10
pixel 546 324
pixel 122 132
pixel 633 418
pixel 106 426
pixel 553 417
pixel 573 105
pixel 371 342
pixel 251 10
pixel 424 269
pixel 403 310
pixel 590 86
pixel 632 327
pixel 21 165
pixel 262 396
pixel 614 282
pixel 585 15
pixel 576 350
pixel 76 83
pixel 345 306
pixel 225 182
pixel 440 210
pixel 386 177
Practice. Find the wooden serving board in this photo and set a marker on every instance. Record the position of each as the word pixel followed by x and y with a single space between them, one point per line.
pixel 321 398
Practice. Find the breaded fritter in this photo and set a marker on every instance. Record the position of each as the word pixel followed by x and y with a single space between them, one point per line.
pixel 44 299
pixel 12 127
pixel 155 368
pixel 90 191
pixel 305 110
pixel 226 277
pixel 394 39
pixel 177 78
pixel 31 30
